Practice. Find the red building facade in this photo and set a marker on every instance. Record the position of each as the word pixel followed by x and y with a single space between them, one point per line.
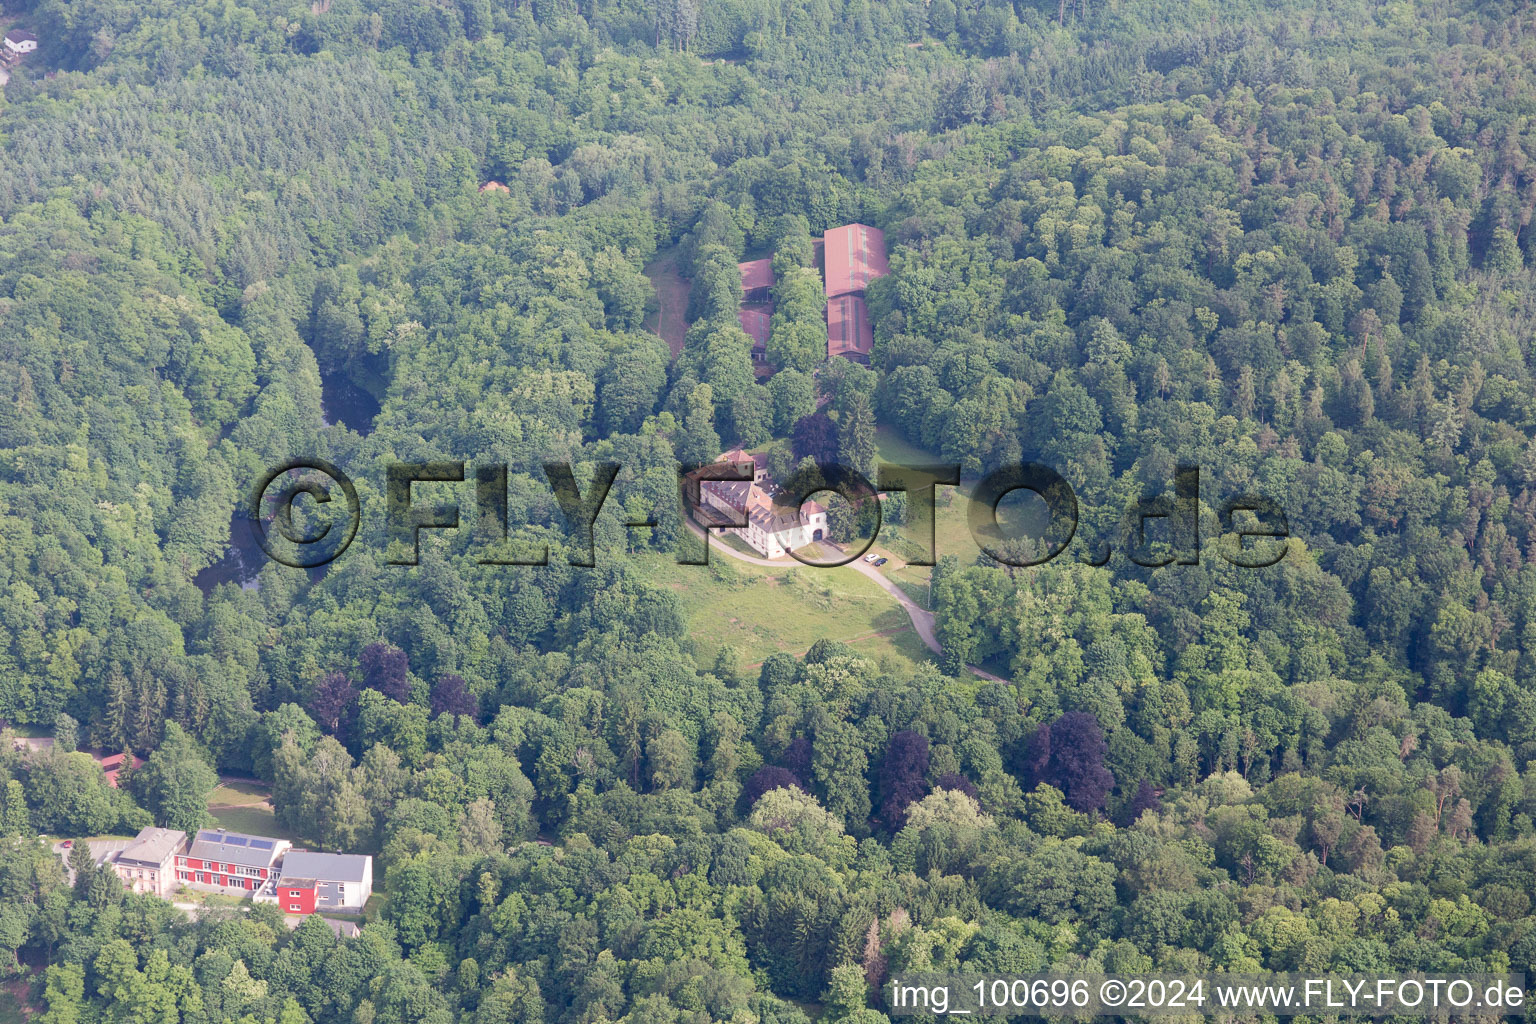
pixel 297 897
pixel 230 861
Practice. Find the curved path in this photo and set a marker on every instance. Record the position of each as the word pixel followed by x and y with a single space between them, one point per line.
pixel 922 618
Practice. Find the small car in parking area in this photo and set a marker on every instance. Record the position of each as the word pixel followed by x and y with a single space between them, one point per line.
pixel 871 557
pixel 880 561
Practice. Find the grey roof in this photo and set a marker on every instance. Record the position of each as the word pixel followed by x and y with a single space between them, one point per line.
pixel 736 493
pixel 16 36
pixel 773 522
pixel 324 867
pixel 153 846
pixel 234 848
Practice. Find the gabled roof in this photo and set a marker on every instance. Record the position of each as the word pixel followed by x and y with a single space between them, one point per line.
pixel 735 493
pixel 18 36
pixel 112 764
pixel 755 322
pixel 756 274
pixel 771 521
pixel 855 255
pixel 153 846
pixel 323 867
pixel 236 848
pixel 848 329
pixel 759 460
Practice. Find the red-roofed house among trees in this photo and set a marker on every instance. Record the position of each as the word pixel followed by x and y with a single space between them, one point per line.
pixel 848 331
pixel 756 280
pixel 853 256
pixel 756 305
pixel 755 322
pixel 112 764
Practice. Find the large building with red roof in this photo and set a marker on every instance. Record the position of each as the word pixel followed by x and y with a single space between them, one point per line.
pixel 848 330
pixel 853 255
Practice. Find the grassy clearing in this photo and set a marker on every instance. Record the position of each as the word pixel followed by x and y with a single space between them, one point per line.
pixel 951 533
pixel 210 900
pixel 671 300
pixel 255 820
pixel 246 807
pixel 761 611
pixel 12 1009
pixel 374 907
pixel 239 794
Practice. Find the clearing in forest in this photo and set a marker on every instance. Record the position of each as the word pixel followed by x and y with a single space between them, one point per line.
pixel 671 298
pixel 243 805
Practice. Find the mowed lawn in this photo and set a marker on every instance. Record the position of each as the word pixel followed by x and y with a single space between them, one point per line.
pixel 762 611
pixel 246 807
pixel 952 534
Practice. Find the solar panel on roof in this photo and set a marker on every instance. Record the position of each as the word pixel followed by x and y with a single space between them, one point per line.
pixel 234 841
pixel 208 837
pixel 261 844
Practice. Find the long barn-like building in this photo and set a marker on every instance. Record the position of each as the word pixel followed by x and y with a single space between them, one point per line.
pixel 756 310
pixel 850 257
pixel 853 255
pixel 848 330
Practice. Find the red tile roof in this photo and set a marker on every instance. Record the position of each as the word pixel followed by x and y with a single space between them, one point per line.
pixel 756 274
pixel 759 460
pixel 855 255
pixel 848 330
pixel 755 323
pixel 113 763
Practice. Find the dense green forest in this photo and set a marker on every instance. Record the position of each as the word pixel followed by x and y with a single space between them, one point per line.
pixel 1289 242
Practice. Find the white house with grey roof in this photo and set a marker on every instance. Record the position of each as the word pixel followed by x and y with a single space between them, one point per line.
pixel 323 881
pixel 18 43
pixel 147 864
